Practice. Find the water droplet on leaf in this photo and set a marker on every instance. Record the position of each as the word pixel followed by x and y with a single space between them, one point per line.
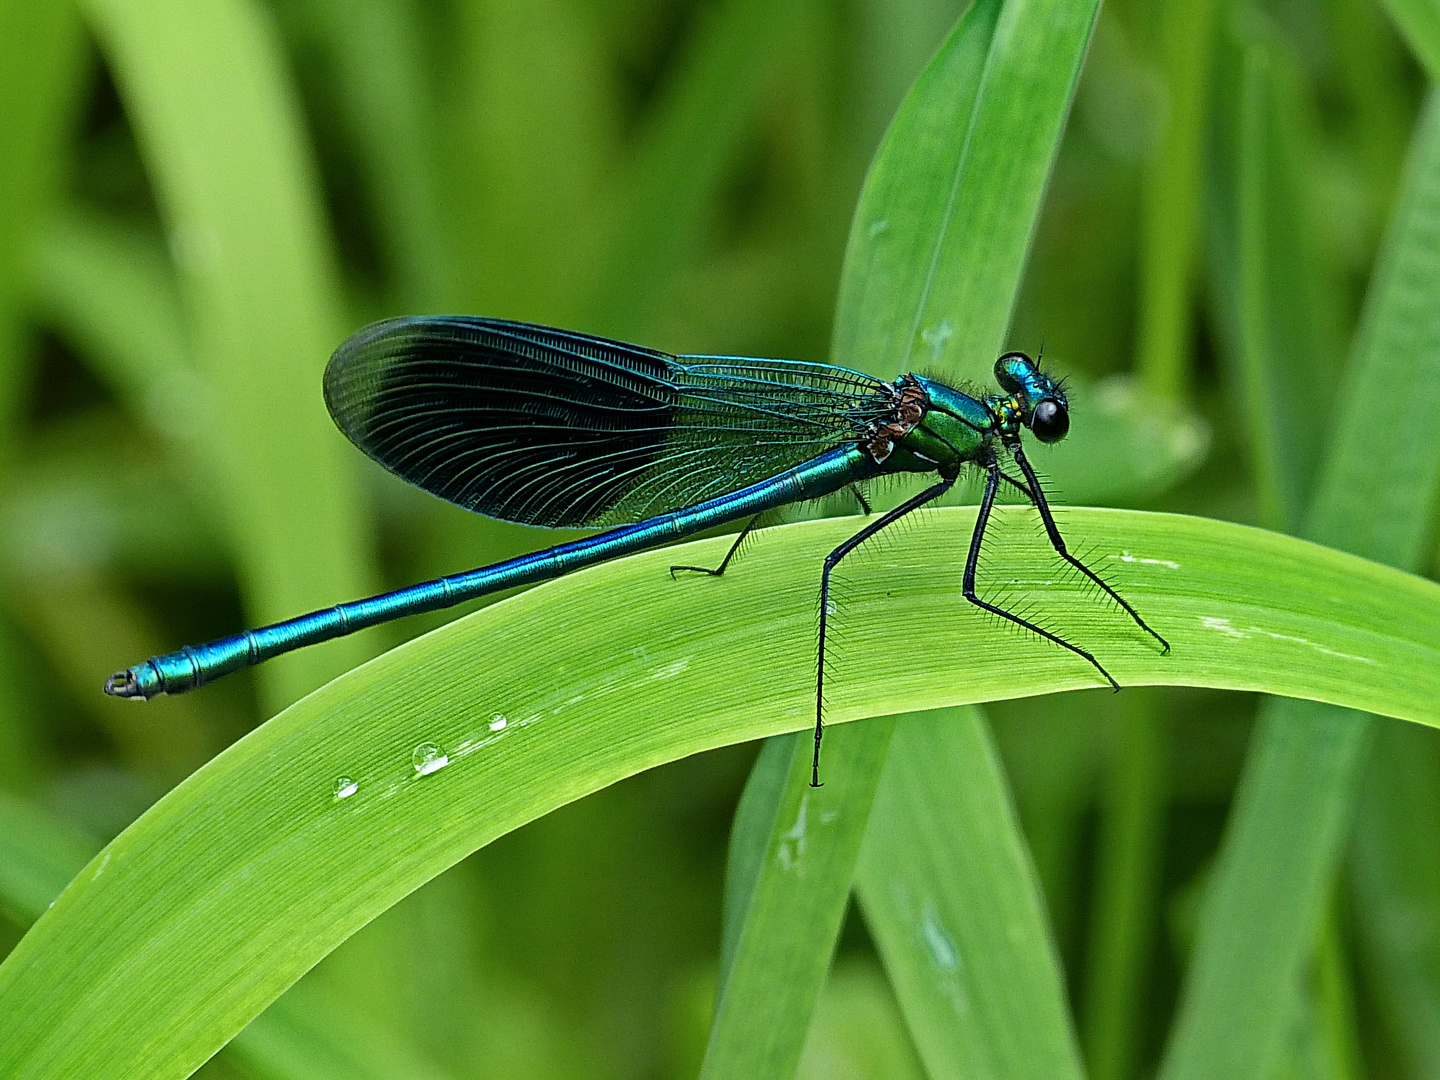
pixel 428 758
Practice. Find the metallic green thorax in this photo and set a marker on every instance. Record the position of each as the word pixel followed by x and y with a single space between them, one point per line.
pixel 935 427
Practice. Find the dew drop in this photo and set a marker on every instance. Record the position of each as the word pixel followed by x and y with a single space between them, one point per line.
pixel 831 607
pixel 428 758
pixel 345 787
pixel 498 724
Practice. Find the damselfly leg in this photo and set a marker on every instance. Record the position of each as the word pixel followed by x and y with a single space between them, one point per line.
pixel 1037 496
pixel 854 490
pixel 972 561
pixel 831 561
pixel 719 570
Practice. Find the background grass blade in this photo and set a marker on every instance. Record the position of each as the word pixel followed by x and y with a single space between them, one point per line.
pixel 1128 869
pixel 1288 310
pixel 908 200
pixel 226 152
pixel 243 850
pixel 946 882
pixel 1262 913
pixel 921 156
pixel 371 57
pixel 43 63
pixel 1395 888
pixel 1170 224
pixel 787 885
pixel 39 855
pixel 678 161
pixel 41 72
pixel 1130 834
pixel 1420 22
pixel 919 173
pixel 932 270
pixel 957 252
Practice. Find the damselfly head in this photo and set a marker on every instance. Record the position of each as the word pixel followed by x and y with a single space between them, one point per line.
pixel 1043 406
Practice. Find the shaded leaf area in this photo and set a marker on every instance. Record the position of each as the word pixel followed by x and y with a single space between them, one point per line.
pixel 237 850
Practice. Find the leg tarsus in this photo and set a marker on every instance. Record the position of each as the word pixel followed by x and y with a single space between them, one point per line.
pixel 719 570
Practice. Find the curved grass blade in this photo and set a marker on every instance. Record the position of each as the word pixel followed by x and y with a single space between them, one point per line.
pixel 39 854
pixel 260 863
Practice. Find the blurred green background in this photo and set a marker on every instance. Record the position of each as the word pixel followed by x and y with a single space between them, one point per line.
pixel 683 175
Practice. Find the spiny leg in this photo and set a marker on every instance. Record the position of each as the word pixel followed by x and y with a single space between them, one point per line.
pixel 854 489
pixel 972 560
pixel 1058 543
pixel 739 539
pixel 831 561
pixel 1017 485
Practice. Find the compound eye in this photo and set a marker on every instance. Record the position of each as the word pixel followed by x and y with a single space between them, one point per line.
pixel 1050 421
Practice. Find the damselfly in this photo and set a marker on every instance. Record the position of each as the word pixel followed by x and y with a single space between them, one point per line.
pixel 550 427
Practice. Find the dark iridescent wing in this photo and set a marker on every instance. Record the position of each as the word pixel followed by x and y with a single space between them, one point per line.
pixel 550 427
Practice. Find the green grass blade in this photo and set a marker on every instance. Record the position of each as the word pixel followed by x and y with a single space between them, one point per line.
pixel 109 289
pixel 1395 885
pixel 1171 206
pixel 42 71
pixel 1129 852
pixel 906 204
pixel 1261 916
pixel 1262 913
pixel 225 151
pixel 41 51
pixel 781 925
pixel 939 238
pixel 948 889
pixel 524 210
pixel 1419 21
pixel 933 265
pixel 250 871
pixel 921 156
pixel 918 173
pixel 39 854
pixel 1288 305
pixel 680 157
pixel 374 56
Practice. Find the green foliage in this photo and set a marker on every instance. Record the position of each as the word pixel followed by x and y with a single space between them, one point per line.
pixel 201 199
pixel 242 851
